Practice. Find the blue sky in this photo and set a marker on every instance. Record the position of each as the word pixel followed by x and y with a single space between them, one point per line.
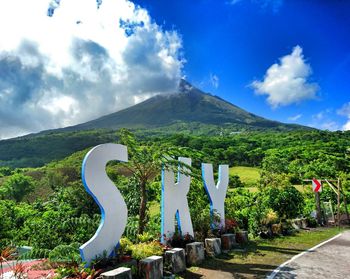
pixel 237 41
pixel 70 61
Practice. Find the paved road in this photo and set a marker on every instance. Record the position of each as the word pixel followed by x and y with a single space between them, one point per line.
pixel 331 260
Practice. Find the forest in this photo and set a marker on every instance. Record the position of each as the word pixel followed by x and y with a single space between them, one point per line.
pixel 48 209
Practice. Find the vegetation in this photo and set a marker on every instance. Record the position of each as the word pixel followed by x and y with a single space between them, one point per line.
pixel 48 208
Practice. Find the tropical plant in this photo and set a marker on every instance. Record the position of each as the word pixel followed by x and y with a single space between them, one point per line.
pixel 146 249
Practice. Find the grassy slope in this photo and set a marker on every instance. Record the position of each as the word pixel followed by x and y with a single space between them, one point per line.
pixel 260 257
pixel 248 175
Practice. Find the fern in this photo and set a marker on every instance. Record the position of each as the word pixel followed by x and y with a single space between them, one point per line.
pixel 82 221
pixel 131 229
pixel 36 253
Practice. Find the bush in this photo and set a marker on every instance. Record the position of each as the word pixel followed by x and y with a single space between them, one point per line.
pixel 125 246
pixel 144 250
pixel 65 253
pixel 288 202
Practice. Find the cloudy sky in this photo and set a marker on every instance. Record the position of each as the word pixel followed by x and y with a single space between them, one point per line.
pixel 63 62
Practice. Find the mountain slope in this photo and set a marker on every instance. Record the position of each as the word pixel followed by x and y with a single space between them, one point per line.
pixel 189 105
pixel 189 111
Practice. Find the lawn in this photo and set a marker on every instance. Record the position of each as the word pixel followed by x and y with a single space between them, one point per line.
pixel 260 257
pixel 249 175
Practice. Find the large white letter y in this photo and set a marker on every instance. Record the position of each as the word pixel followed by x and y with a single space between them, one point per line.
pixel 216 193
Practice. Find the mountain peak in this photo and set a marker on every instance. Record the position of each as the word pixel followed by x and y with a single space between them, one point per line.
pixel 185 87
pixel 189 107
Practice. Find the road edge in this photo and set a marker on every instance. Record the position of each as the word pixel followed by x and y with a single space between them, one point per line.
pixel 279 268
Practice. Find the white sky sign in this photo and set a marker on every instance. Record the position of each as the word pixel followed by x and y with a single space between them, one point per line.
pixel 113 208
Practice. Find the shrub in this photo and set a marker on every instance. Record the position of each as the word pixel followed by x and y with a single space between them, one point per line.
pixel 144 250
pixel 288 202
pixel 125 246
pixel 65 253
pixel 144 237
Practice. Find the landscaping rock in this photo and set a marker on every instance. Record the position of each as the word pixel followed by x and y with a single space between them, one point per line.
pixel 175 259
pixel 118 273
pixel 228 241
pixel 276 229
pixel 213 246
pixel 303 223
pixel 152 267
pixel 296 224
pixel 194 253
pixel 242 237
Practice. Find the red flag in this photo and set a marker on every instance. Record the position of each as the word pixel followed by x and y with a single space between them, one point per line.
pixel 316 185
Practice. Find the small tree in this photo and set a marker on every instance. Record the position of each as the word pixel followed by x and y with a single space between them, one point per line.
pixel 145 163
pixel 287 201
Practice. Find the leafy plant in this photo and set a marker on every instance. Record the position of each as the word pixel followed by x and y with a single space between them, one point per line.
pixel 6 254
pixel 19 271
pixel 125 246
pixel 288 202
pixel 144 250
pixel 144 237
pixel 65 253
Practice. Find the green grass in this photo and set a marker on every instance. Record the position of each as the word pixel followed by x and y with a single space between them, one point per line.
pixel 260 257
pixel 248 175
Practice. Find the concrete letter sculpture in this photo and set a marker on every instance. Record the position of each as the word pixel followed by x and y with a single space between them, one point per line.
pixel 174 202
pixel 216 193
pixel 113 208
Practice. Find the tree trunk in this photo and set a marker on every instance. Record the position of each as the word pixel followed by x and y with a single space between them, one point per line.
pixel 142 211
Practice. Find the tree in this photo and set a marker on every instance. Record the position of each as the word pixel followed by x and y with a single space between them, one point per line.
pixel 287 201
pixel 145 163
pixel 17 186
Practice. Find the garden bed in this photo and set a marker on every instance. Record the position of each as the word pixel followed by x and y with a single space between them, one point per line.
pixel 260 256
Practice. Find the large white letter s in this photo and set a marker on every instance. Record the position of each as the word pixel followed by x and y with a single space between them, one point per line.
pixel 113 208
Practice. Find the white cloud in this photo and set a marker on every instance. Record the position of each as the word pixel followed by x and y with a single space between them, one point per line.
pixel 324 120
pixel 318 116
pixel 329 125
pixel 346 126
pixel 84 61
pixel 295 117
pixel 287 82
pixel 345 111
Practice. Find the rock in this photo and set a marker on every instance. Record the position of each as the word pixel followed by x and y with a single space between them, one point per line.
pixel 175 260
pixel 195 253
pixel 296 224
pixel 303 223
pixel 242 237
pixel 213 246
pixel 118 273
pixel 228 241
pixel 152 267
pixel 276 229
